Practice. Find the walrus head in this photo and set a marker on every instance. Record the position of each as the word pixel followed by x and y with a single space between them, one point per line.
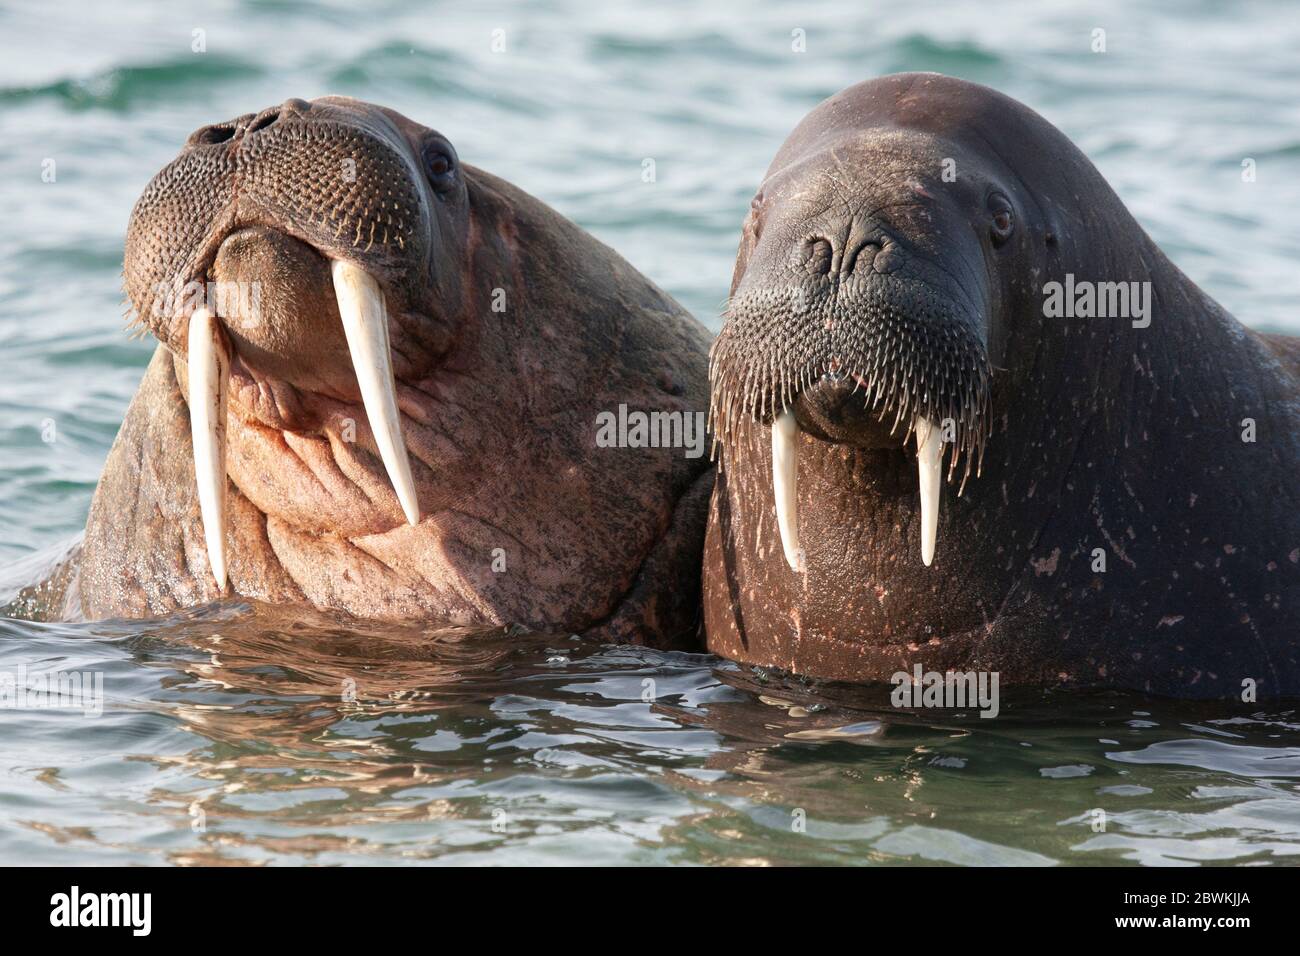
pixel 865 301
pixel 397 360
pixel 311 224
pixel 879 295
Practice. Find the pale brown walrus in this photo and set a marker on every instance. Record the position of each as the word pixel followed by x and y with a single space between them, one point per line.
pixel 378 390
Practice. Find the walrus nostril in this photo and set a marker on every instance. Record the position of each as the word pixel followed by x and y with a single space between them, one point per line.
pixel 264 119
pixel 210 135
pixel 862 259
pixel 816 254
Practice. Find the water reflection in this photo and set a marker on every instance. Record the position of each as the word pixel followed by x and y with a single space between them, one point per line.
pixel 248 735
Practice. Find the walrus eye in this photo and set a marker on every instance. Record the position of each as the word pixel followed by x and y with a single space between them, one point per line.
pixel 1002 224
pixel 441 168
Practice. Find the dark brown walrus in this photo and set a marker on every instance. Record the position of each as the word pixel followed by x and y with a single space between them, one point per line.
pixel 930 267
pixel 458 481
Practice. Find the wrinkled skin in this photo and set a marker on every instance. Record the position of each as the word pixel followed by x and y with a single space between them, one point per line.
pixel 861 266
pixel 511 329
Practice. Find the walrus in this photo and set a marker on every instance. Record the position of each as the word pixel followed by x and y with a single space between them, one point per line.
pixel 378 390
pixel 971 418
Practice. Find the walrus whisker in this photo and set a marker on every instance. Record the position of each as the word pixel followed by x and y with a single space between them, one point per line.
pixel 927 372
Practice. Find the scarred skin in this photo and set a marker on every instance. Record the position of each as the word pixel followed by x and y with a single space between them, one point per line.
pixel 511 330
pixel 1099 438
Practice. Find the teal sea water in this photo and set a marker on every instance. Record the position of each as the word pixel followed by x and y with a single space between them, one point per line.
pixel 245 735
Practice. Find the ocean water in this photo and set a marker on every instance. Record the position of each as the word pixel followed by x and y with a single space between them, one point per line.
pixel 238 734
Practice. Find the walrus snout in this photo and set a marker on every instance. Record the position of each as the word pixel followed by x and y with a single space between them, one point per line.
pixel 290 330
pixel 344 178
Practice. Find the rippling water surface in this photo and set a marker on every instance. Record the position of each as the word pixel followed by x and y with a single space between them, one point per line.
pixel 243 734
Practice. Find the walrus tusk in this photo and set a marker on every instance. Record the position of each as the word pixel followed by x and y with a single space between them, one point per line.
pixel 785 478
pixel 209 380
pixel 365 324
pixel 929 453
